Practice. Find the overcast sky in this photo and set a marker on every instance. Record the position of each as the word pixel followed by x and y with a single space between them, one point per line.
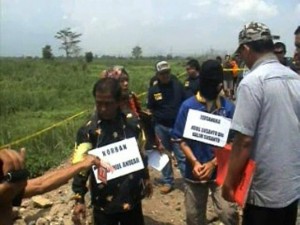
pixel 114 27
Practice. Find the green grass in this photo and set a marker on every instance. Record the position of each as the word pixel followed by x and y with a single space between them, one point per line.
pixel 36 94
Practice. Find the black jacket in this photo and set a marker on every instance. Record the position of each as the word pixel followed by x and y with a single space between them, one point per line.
pixel 127 189
pixel 164 101
pixel 191 86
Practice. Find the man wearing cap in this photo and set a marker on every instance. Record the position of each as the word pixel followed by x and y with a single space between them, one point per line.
pixel 200 160
pixel 164 100
pixel 267 122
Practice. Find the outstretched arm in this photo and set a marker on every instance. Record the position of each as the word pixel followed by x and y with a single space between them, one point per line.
pixel 56 178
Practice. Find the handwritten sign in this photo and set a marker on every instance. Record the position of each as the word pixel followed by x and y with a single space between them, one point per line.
pixel 207 128
pixel 124 156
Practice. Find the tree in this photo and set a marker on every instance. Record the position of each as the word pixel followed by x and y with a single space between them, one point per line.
pixel 69 41
pixel 137 52
pixel 89 57
pixel 47 52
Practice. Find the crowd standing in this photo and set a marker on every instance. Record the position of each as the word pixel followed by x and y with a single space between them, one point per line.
pixel 265 128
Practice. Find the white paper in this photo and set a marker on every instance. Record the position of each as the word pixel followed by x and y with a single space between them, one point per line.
pixel 156 160
pixel 124 156
pixel 207 128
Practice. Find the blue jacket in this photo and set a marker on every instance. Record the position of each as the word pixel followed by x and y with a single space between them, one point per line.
pixel 203 152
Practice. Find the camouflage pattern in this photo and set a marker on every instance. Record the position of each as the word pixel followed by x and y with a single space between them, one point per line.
pixel 254 31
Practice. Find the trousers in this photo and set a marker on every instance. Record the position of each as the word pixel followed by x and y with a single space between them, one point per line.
pixel 255 215
pixel 132 217
pixel 196 196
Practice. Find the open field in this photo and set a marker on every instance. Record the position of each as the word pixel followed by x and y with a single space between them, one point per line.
pixel 36 94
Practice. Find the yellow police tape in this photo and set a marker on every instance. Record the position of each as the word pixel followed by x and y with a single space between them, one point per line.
pixel 43 131
pixel 238 69
pixel 76 115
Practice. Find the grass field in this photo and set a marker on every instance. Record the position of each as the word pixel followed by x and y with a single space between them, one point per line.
pixel 36 94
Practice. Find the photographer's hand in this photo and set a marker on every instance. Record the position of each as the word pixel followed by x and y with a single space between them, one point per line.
pixel 10 162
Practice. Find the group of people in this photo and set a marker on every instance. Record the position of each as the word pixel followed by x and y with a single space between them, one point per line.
pixel 265 128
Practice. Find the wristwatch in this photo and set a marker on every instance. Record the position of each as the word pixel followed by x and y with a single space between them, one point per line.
pixel 15 176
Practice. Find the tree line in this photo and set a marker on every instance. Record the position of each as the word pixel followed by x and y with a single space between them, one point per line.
pixel 70 45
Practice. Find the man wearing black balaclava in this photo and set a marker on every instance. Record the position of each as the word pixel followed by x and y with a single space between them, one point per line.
pixel 200 160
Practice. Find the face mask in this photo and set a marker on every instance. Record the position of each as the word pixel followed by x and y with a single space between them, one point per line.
pixel 209 90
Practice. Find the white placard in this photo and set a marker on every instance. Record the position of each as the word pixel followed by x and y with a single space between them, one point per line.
pixel 124 156
pixel 207 128
pixel 157 160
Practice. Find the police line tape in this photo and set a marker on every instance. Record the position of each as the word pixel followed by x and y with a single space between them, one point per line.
pixel 43 130
pixel 74 116
pixel 237 69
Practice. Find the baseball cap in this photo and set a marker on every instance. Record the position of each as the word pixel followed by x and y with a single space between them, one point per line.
pixel 162 66
pixel 211 70
pixel 254 31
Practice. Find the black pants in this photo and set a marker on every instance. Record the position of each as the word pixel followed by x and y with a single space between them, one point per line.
pixel 132 217
pixel 254 215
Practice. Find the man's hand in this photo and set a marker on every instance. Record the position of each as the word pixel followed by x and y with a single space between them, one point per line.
pixel 206 170
pixel 10 160
pixel 197 169
pixel 203 171
pixel 148 188
pixel 91 160
pixel 228 193
pixel 160 148
pixel 79 214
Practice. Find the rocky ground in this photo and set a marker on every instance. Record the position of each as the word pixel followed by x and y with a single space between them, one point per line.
pixel 55 208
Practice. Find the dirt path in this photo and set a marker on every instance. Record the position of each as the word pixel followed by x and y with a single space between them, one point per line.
pixel 159 210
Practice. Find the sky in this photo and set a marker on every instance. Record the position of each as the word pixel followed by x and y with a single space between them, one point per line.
pixel 159 27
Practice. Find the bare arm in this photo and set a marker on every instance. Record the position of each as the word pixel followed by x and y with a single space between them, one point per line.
pixel 238 158
pixel 197 166
pixel 200 171
pixel 188 153
pixel 56 178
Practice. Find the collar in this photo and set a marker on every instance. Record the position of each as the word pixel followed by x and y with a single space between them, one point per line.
pixel 202 100
pixel 95 118
pixel 170 83
pixel 194 78
pixel 269 57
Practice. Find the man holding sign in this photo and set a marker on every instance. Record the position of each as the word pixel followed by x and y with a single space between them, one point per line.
pixel 112 135
pixel 199 125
